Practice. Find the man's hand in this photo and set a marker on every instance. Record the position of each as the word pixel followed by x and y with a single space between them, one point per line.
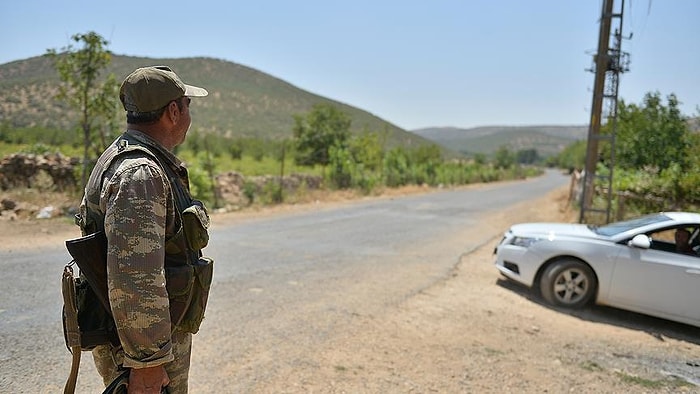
pixel 147 380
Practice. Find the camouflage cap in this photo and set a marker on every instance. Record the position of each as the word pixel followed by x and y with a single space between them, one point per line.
pixel 151 88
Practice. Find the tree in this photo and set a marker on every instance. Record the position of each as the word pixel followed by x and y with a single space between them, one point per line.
pixel 325 126
pixel 572 157
pixel 527 156
pixel 657 154
pixel 368 148
pixel 504 158
pixel 652 135
pixel 96 100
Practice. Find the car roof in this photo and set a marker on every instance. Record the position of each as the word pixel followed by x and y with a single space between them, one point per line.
pixel 684 217
pixel 674 219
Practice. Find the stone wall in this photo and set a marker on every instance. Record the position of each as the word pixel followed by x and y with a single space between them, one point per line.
pixel 231 186
pixel 26 171
pixel 55 172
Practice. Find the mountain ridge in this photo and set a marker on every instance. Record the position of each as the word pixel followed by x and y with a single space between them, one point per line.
pixel 548 140
pixel 243 101
pixel 246 102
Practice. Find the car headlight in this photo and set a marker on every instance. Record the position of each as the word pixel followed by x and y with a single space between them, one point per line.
pixel 524 242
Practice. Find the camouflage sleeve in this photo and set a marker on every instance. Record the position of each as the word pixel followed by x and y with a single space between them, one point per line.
pixel 135 219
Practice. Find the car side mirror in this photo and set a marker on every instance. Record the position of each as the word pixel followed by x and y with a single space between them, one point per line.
pixel 640 241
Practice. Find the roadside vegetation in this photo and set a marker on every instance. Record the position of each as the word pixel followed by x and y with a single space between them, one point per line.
pixel 361 164
pixel 320 143
pixel 657 158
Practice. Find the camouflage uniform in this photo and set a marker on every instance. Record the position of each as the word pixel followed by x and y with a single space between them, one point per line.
pixel 134 203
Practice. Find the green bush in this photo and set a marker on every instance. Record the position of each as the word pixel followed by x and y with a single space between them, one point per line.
pixel 341 167
pixel 200 185
pixel 249 191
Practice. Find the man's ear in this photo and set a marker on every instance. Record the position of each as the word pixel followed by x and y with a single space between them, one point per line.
pixel 173 112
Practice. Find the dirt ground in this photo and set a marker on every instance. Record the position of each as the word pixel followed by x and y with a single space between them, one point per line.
pixel 475 332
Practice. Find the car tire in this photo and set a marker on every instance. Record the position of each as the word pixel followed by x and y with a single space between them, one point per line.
pixel 568 283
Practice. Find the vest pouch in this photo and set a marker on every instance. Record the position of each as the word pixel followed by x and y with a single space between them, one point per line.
pixel 195 223
pixel 179 280
pixel 203 274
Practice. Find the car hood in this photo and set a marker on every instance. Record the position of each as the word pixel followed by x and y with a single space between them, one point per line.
pixel 551 230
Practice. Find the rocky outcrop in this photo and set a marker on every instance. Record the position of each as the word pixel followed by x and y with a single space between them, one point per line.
pixel 12 210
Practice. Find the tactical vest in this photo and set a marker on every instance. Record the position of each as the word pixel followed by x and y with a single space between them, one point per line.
pixel 188 274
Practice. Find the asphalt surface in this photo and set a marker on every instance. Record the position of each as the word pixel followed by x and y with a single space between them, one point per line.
pixel 282 284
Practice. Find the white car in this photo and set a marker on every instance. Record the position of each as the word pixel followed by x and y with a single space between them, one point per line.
pixel 634 264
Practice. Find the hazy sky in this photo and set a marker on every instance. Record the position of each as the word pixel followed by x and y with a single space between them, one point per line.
pixel 415 63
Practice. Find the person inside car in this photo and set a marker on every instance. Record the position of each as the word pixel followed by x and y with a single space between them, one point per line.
pixel 683 242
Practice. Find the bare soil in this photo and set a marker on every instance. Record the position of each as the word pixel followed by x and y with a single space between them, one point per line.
pixel 475 332
pixel 478 333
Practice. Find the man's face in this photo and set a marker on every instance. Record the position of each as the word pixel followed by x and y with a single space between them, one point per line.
pixel 682 237
pixel 185 119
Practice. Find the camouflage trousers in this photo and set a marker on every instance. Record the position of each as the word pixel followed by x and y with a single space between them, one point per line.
pixel 108 359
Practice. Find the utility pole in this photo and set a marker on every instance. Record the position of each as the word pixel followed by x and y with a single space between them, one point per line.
pixel 608 64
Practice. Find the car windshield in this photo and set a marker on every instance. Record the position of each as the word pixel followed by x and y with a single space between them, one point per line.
pixel 620 227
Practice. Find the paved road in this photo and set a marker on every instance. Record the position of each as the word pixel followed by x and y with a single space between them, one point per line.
pixel 283 284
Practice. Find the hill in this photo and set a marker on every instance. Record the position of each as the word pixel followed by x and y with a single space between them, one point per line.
pixel 243 102
pixel 547 140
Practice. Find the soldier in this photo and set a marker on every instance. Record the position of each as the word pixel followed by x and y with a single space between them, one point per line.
pixel 134 195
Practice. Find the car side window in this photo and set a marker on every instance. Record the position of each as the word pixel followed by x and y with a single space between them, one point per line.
pixel 675 240
pixel 663 240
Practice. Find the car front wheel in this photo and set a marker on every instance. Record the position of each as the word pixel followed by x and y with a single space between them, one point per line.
pixel 568 283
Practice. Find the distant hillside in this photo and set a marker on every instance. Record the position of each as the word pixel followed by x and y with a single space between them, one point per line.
pixel 547 140
pixel 242 100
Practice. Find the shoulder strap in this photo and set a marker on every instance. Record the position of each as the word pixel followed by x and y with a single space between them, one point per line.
pixel 182 196
pixel 72 331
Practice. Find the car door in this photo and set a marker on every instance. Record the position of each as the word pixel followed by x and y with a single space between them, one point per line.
pixel 657 281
